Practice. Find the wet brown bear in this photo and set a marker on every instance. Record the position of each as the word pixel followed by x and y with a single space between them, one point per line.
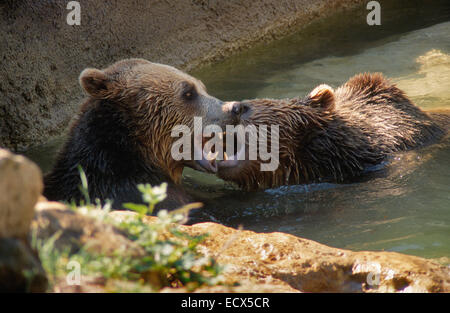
pixel 332 135
pixel 122 136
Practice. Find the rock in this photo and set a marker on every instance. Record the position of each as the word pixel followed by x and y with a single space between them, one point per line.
pixel 78 229
pixel 20 268
pixel 278 262
pixel 42 56
pixel 20 187
pixel 75 230
pixel 304 265
pixel 264 262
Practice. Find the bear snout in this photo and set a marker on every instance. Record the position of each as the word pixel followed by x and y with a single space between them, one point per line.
pixel 235 108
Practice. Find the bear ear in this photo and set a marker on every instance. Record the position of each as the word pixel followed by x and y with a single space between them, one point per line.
pixel 95 83
pixel 322 97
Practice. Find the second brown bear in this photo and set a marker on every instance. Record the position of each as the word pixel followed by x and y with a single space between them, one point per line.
pixel 331 136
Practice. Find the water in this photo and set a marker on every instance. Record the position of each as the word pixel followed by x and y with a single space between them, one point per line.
pixel 405 207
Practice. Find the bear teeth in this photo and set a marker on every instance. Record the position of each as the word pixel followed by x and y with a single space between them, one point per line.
pixel 212 156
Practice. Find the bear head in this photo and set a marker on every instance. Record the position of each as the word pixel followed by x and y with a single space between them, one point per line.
pixel 296 121
pixel 151 99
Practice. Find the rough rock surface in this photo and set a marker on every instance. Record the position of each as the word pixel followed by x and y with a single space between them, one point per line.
pixel 305 265
pixel 20 187
pixel 42 55
pixel 278 262
pixel 77 230
pixel 20 268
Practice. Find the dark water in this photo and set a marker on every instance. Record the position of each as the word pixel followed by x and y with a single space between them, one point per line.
pixel 405 207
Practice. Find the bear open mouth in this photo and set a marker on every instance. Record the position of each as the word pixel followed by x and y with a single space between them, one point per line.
pixel 232 160
pixel 207 162
pixel 211 160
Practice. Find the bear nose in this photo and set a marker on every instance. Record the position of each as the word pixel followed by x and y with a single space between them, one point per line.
pixel 239 108
pixel 235 109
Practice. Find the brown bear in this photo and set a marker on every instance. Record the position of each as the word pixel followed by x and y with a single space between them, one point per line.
pixel 332 136
pixel 122 136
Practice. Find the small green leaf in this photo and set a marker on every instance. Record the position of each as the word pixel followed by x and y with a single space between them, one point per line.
pixel 139 208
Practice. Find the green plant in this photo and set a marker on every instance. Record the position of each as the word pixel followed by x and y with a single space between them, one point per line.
pixel 170 259
pixel 150 195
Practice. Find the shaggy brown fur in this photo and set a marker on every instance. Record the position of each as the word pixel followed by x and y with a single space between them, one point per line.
pixel 122 136
pixel 334 135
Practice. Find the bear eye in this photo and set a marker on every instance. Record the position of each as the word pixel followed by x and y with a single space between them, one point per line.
pixel 190 94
